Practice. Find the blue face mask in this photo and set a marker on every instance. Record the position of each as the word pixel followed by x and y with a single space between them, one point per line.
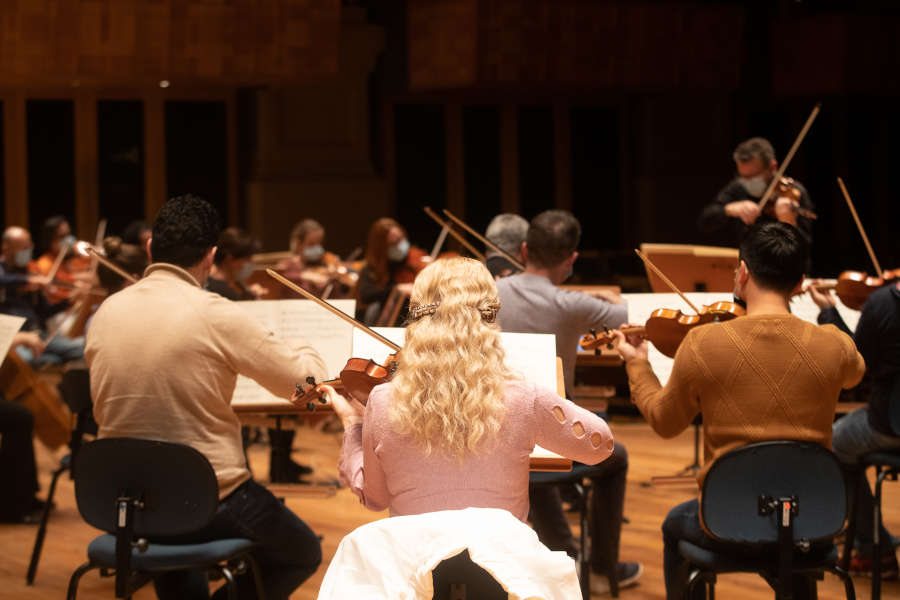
pixel 398 252
pixel 245 272
pixel 67 241
pixel 23 257
pixel 313 254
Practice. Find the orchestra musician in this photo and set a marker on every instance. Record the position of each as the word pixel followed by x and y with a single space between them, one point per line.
pixel 18 471
pixel 21 295
pixel 389 260
pixel 506 231
pixel 533 304
pixel 164 356
pixel 233 265
pixel 137 233
pixel 132 258
pixel 868 429
pixel 736 206
pixel 768 375
pixel 454 428
pixel 56 237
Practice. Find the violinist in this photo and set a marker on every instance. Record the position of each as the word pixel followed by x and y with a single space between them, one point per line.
pixel 233 265
pixel 389 260
pixel 736 207
pixel 21 295
pixel 137 233
pixel 132 258
pixel 867 429
pixel 164 356
pixel 533 304
pixel 56 238
pixel 765 376
pixel 506 231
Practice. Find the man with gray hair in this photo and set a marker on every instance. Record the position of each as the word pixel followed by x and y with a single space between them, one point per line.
pixel 507 231
pixel 736 207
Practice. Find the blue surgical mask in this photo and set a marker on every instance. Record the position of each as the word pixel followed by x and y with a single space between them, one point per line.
pixel 23 257
pixel 67 241
pixel 398 252
pixel 313 254
pixel 245 272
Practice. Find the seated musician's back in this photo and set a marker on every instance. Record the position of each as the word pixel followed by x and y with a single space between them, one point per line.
pixel 164 356
pixel 765 376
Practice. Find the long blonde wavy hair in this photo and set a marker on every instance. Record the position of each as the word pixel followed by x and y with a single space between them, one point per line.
pixel 448 392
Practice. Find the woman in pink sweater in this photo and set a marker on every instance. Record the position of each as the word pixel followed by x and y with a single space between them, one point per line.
pixel 454 428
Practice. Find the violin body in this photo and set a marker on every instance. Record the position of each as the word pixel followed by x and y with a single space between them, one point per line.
pixel 360 375
pixel 52 418
pixel 787 188
pixel 853 287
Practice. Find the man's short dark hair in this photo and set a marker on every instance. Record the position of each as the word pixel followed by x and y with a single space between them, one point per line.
pixel 755 148
pixel 552 237
pixel 776 255
pixel 185 229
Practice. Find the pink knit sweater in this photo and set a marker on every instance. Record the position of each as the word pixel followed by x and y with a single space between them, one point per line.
pixel 388 470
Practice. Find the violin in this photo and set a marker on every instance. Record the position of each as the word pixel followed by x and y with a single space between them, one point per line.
pixel 357 379
pixel 853 287
pixel 667 327
pixel 786 187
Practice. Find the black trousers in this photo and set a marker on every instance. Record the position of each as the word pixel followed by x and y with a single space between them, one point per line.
pixel 17 468
pixel 608 501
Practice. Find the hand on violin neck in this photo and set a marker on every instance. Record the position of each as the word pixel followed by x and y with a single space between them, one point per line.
pixel 822 298
pixel 629 346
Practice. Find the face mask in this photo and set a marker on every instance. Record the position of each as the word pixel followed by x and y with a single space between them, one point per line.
pixel 23 257
pixel 313 254
pixel 756 186
pixel 398 251
pixel 67 241
pixel 244 272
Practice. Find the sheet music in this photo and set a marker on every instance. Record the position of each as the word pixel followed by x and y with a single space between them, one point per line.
pixel 295 321
pixel 9 327
pixel 533 355
pixel 640 306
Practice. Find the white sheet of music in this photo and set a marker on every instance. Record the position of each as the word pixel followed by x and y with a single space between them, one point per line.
pixel 532 355
pixel 640 306
pixel 300 320
pixel 9 327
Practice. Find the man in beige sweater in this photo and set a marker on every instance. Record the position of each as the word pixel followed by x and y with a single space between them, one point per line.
pixel 765 376
pixel 164 355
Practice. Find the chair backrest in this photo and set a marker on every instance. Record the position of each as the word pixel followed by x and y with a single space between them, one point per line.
pixel 175 483
pixel 734 485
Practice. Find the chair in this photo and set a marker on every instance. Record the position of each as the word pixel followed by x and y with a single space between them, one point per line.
pixel 138 490
pixel 887 466
pixel 578 478
pixel 780 504
pixel 75 389
pixel 458 578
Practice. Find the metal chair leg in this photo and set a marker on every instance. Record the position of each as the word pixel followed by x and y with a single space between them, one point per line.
pixel 585 538
pixel 849 590
pixel 878 542
pixel 856 480
pixel 257 576
pixel 42 528
pixel 75 578
pixel 229 581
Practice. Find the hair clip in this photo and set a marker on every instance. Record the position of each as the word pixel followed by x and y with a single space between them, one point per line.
pixel 489 312
pixel 421 310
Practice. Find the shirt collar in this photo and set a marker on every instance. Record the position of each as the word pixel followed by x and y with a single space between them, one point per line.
pixel 169 270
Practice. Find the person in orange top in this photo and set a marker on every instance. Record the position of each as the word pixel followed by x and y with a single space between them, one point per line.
pixel 766 376
pixel 390 259
pixel 56 237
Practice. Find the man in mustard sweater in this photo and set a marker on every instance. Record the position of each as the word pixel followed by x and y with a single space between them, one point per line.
pixel 765 376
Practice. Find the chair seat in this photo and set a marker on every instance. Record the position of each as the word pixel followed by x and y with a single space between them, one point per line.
pixel 166 557
pixel 741 562
pixel 888 459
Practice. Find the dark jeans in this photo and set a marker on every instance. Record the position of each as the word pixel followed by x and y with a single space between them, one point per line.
pixel 608 501
pixel 17 469
pixel 288 552
pixel 683 523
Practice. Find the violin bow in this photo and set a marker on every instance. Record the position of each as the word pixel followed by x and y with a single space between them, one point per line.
pixel 859 225
pixel 444 224
pixel 57 262
pixel 439 243
pixel 665 279
pixel 484 240
pixel 111 265
pixel 790 155
pixel 293 286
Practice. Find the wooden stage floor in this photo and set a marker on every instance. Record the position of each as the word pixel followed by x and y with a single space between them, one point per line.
pixel 333 517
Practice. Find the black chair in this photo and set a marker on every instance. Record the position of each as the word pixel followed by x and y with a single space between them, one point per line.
pixel 578 478
pixel 138 490
pixel 887 466
pixel 459 578
pixel 778 505
pixel 75 389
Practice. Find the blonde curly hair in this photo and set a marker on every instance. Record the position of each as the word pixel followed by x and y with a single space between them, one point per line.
pixel 448 392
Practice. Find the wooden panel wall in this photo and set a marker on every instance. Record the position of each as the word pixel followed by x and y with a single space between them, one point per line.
pixel 145 41
pixel 550 43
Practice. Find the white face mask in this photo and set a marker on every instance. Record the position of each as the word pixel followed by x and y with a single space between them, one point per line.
pixel 23 257
pixel 398 251
pixel 756 186
pixel 313 254
pixel 245 272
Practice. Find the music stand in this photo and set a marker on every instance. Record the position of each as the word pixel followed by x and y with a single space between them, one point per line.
pixel 692 268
